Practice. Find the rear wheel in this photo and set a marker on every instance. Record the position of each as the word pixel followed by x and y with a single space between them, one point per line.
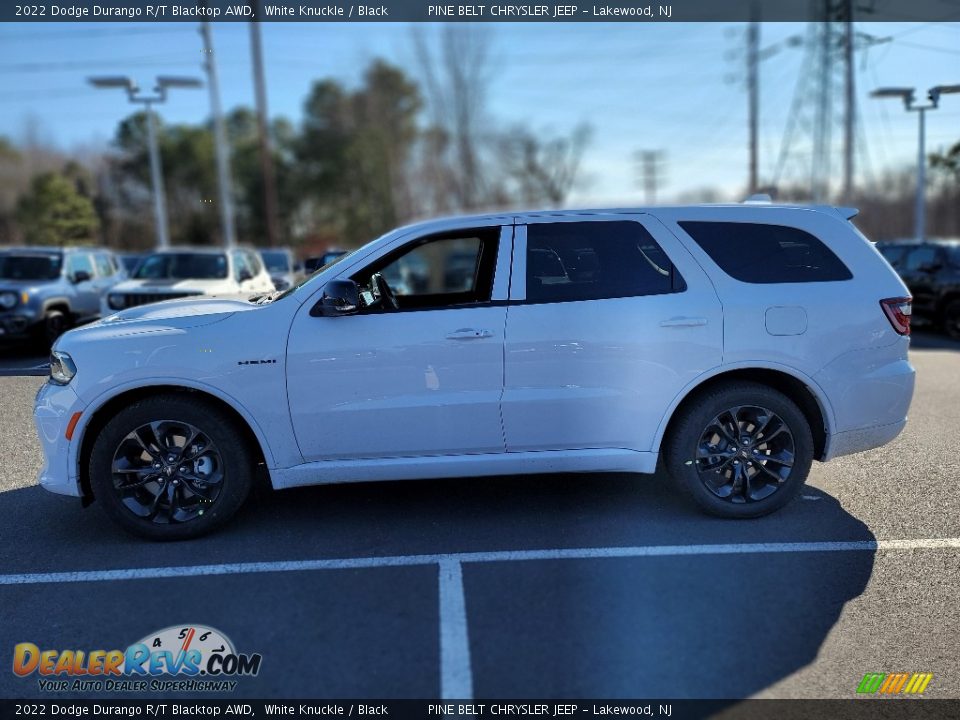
pixel 951 319
pixel 742 450
pixel 170 468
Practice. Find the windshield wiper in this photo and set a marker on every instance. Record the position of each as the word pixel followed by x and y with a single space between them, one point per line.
pixel 264 298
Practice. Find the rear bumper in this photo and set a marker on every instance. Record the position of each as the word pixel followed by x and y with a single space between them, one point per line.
pixel 871 391
pixel 854 441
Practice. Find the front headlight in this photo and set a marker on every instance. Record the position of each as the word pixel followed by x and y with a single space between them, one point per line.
pixel 8 300
pixel 62 367
pixel 115 302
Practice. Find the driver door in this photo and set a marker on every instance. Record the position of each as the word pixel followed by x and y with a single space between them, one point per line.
pixel 422 379
pixel 86 299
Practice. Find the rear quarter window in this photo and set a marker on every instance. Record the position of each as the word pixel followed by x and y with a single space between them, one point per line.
pixel 761 253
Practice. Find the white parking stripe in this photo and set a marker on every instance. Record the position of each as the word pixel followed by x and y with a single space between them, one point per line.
pixel 476 557
pixel 456 678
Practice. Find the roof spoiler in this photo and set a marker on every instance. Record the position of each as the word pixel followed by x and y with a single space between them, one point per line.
pixel 848 213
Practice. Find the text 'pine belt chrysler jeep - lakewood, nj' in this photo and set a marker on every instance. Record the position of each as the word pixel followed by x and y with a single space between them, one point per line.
pixel 738 343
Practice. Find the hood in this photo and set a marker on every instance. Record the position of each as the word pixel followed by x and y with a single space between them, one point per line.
pixel 175 286
pixel 185 308
pixel 170 316
pixel 19 285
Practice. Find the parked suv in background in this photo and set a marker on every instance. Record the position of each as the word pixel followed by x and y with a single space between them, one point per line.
pixel 44 291
pixel 281 265
pixel 738 343
pixel 185 272
pixel 931 271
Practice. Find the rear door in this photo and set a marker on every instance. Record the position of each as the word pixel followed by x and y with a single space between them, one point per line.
pixel 610 318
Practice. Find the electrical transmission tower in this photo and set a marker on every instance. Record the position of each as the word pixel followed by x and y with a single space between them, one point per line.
pixel 826 81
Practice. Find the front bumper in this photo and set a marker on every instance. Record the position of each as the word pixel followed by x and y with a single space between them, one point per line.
pixel 16 326
pixel 54 406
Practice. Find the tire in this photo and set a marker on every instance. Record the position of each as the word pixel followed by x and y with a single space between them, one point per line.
pixel 734 479
pixel 951 319
pixel 190 489
pixel 55 323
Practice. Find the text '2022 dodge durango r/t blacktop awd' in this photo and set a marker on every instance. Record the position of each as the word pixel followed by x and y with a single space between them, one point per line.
pixel 737 343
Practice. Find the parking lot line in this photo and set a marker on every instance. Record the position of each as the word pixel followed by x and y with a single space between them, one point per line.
pixel 639 551
pixel 456 677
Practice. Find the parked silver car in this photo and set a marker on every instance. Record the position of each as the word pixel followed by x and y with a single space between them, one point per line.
pixel 45 291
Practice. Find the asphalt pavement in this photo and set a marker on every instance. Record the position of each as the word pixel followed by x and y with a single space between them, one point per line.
pixel 548 586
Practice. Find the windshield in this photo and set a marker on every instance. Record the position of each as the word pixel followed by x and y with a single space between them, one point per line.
pixel 130 262
pixel 182 266
pixel 276 261
pixel 30 267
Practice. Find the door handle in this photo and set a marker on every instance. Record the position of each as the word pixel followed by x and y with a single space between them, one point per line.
pixel 684 322
pixel 469 334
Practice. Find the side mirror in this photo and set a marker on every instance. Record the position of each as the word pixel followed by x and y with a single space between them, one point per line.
pixel 244 276
pixel 340 297
pixel 80 276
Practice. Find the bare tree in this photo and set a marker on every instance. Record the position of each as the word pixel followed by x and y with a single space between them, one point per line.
pixel 455 70
pixel 542 169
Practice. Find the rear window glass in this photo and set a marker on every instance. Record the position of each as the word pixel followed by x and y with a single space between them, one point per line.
pixel 758 253
pixel 596 260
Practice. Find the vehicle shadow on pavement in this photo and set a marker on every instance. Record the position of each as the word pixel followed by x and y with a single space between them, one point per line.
pixel 697 626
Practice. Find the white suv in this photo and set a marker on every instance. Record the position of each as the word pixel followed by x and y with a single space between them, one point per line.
pixel 181 272
pixel 738 343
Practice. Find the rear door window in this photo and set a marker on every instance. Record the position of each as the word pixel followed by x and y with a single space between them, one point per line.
pixel 595 260
pixel 761 253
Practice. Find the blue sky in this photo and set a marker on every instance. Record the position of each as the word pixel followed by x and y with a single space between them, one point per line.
pixel 640 86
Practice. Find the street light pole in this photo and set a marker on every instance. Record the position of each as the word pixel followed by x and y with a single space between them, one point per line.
pixel 156 180
pixel 153 150
pixel 920 214
pixel 907 95
pixel 220 140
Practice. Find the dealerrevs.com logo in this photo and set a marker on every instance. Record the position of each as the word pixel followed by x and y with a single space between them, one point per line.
pixel 180 658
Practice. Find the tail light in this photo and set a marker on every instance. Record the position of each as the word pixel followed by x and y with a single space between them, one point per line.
pixel 897 311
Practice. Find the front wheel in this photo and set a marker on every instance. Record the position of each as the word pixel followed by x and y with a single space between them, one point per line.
pixel 170 468
pixel 742 450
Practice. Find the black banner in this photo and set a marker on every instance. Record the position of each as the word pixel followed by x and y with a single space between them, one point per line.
pixel 854 709
pixel 479 11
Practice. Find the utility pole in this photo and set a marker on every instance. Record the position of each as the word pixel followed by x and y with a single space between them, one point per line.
pixel 849 101
pixel 650 175
pixel 220 139
pixel 753 90
pixel 263 130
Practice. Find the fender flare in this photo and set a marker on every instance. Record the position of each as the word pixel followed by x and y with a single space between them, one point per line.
pixel 826 409
pixel 97 403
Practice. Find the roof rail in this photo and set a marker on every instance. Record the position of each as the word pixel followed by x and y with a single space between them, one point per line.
pixel 758 199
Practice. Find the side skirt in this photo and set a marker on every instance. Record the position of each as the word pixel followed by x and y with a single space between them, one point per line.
pixel 324 472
